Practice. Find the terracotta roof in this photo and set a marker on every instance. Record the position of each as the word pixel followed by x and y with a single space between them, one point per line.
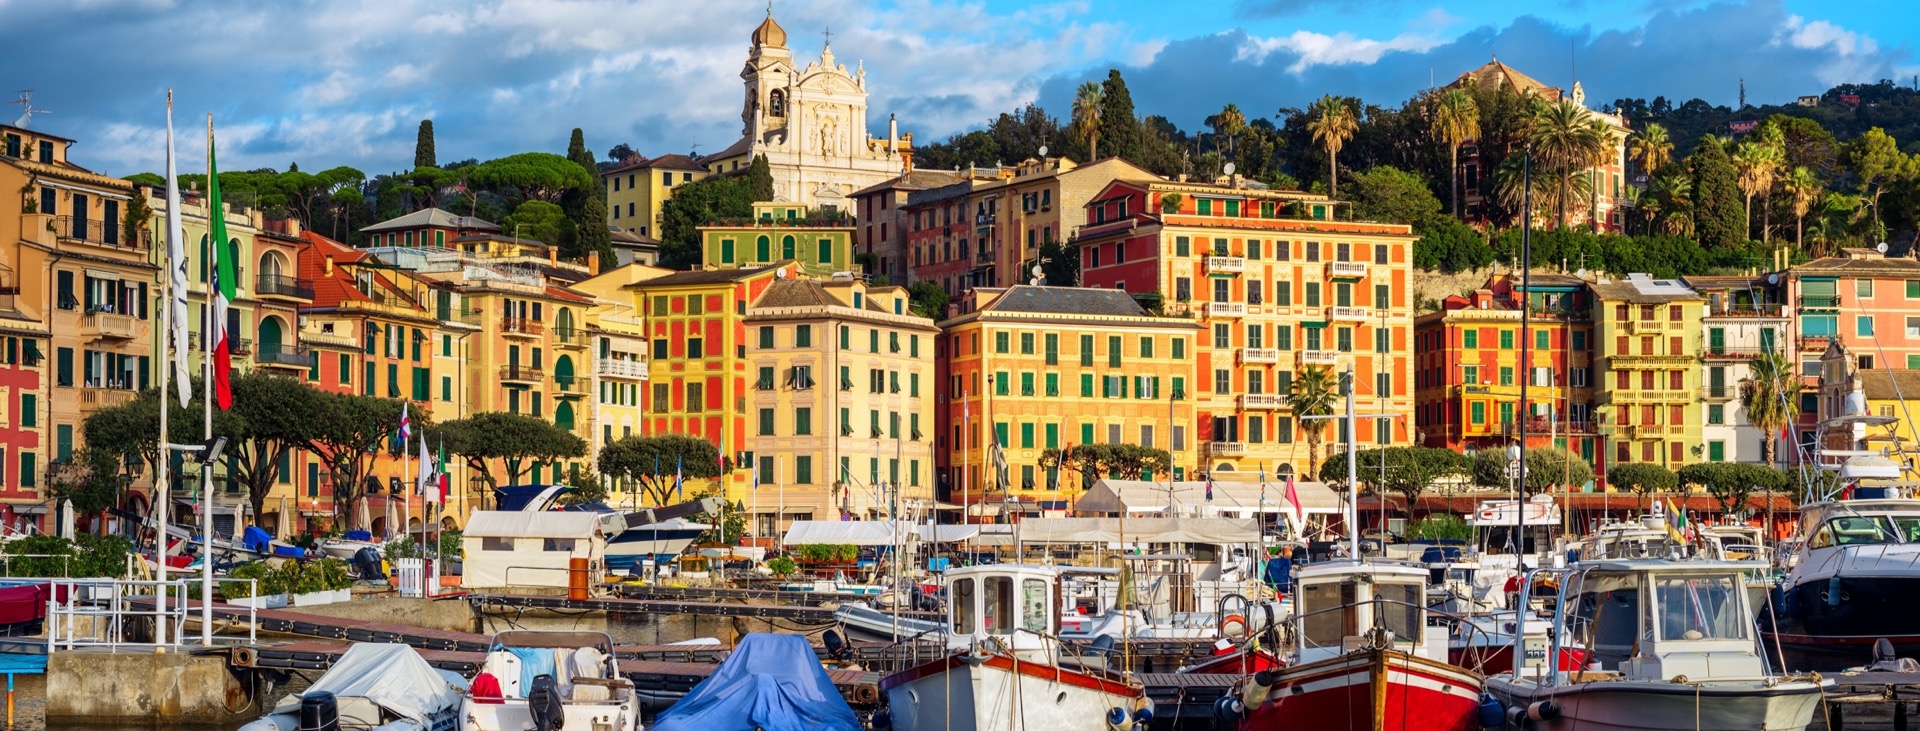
pixel 1725 281
pixel 705 276
pixel 942 193
pixel 915 180
pixel 1622 290
pixel 330 291
pixel 795 293
pixel 432 217
pixel 623 236
pixel 562 293
pixel 733 150
pixel 1887 384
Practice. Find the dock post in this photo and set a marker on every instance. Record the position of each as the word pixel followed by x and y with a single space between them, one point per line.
pixel 9 700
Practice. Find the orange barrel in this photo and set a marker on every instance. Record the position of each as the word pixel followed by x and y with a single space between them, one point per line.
pixel 577 580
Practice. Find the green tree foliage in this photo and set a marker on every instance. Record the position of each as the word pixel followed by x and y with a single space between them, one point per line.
pixel 1549 469
pixel 1450 246
pixel 1717 218
pixel 1874 159
pixel 652 461
pixel 1119 124
pixel 541 176
pixel 696 204
pixel 588 487
pixel 85 556
pixel 1440 527
pixel 928 299
pixel 1641 478
pixel 1732 483
pixel 1086 117
pixel 542 221
pixel 1409 470
pixel 134 225
pixel 1314 393
pixel 271 417
pixel 91 482
pixel 423 155
pixel 347 434
pixel 1456 119
pixel 1115 461
pixel 1771 396
pixel 1333 122
pixel 577 152
pixel 760 179
pixel 1391 195
pixel 594 235
pixel 1059 263
pixel 516 441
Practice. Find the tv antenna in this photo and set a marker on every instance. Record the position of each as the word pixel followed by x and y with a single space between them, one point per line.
pixel 26 109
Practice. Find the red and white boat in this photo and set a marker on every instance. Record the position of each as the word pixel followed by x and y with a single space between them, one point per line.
pixel 1001 672
pixel 1364 659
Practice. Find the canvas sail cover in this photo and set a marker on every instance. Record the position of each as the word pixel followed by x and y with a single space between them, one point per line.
pixel 768 683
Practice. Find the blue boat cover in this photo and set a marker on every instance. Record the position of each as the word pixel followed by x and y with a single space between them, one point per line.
pixel 256 539
pixel 770 682
pixel 357 535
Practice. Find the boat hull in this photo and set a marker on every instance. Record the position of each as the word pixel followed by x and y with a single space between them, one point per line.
pixel 1368 690
pixel 1815 633
pixel 998 693
pixel 1663 706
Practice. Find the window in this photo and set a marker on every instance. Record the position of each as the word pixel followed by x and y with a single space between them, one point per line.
pixel 803 469
pixel 1001 342
pixel 1254 291
pixel 1052 345
pixel 1222 336
pixel 1313 294
pixel 1222 381
pixel 1026 344
pixel 1479 412
pixel 766 422
pixel 1863 288
pixel 1179 348
pixel 1113 351
pixel 766 337
pixel 1470 338
pixel 1086 350
pixel 1716 414
pixel 803 421
pixel 1863 325
pixel 803 336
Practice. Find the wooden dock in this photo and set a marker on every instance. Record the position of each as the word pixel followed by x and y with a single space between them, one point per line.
pixel 803 614
pixel 1870 700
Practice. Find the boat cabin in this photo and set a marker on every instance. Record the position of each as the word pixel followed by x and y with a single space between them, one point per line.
pixel 1658 618
pixel 1013 606
pixel 1341 606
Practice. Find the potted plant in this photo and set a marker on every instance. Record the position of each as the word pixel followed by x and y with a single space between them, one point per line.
pixel 309 587
pixel 335 577
pixel 254 585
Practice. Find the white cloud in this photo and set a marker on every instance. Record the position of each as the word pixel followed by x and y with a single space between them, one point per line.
pixel 1319 49
pixel 1851 56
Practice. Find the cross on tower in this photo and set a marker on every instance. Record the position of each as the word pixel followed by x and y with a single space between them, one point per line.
pixel 828 35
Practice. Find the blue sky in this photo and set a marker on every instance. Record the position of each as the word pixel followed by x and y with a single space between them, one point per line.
pixel 338 82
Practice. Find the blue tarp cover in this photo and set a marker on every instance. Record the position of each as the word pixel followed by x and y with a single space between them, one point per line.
pixel 770 682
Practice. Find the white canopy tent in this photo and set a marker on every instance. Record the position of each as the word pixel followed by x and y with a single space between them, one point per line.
pixel 529 549
pixel 872 532
pixel 1178 529
pixel 1231 499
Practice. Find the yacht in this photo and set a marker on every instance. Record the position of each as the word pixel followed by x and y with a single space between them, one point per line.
pixel 632 536
pixel 1855 580
pixel 1671 644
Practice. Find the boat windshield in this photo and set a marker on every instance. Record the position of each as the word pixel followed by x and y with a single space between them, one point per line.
pixel 963 607
pixel 1401 610
pixel 1326 610
pixel 1700 608
pixel 1864 530
pixel 1034 614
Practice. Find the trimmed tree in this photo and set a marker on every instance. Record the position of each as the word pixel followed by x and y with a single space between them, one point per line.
pixel 516 441
pixel 653 462
pixel 1118 461
pixel 1119 127
pixel 760 179
pixel 271 417
pixel 348 433
pixel 1641 478
pixel 1717 218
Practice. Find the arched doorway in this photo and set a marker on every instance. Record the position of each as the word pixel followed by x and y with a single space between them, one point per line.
pixel 270 337
pixel 563 415
pixel 563 324
pixel 563 372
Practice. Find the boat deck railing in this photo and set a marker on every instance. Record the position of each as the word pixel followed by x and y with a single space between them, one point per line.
pixel 100 614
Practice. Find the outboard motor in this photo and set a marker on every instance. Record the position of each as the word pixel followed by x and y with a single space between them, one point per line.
pixel 544 704
pixel 319 711
pixel 836 647
pixel 366 561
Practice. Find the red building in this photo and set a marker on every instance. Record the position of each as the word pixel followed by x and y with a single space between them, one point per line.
pixel 22 388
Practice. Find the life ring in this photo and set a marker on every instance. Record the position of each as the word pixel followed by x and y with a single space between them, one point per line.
pixel 866 694
pixel 1232 619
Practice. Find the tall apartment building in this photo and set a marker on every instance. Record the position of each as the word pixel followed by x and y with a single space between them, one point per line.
pixel 882 219
pixel 1861 298
pixel 1277 286
pixel 853 437
pixel 1032 369
pixel 637 191
pixel 1649 401
pixel 1744 318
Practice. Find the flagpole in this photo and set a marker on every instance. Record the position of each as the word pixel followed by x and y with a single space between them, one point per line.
pixel 206 379
pixel 161 489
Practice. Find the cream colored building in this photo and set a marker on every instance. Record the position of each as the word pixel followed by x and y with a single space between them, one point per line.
pixel 811 123
pixel 842 440
pixel 618 340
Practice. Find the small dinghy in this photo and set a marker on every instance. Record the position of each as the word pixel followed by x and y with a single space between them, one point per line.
pixel 372 687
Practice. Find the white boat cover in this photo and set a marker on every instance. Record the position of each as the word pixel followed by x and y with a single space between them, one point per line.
pixel 1235 498
pixel 502 524
pixel 871 532
pixel 1136 530
pixel 393 677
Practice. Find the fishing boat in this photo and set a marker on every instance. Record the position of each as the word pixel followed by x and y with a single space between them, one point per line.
pixel 1671 644
pixel 1364 658
pixel 548 681
pixel 372 687
pixel 1002 671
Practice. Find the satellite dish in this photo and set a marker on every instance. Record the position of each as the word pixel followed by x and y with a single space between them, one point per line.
pixel 1228 168
pixel 1043 152
pixel 1773 278
pixel 780 273
pixel 1881 247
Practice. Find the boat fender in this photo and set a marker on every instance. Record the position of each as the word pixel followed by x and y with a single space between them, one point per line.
pixel 1833 591
pixel 1119 720
pixel 866 694
pixel 1543 711
pixel 1517 717
pixel 319 711
pixel 1492 712
pixel 1143 717
pixel 1228 709
pixel 882 720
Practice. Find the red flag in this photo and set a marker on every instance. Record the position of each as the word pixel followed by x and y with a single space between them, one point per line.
pixel 1293 499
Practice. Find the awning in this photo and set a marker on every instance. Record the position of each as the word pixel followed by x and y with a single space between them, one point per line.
pixel 839 532
pixel 102 274
pixel 503 524
pixel 1138 530
pixel 1190 498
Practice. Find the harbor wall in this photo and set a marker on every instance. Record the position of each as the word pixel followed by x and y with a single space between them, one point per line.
pixel 146 689
pixel 448 615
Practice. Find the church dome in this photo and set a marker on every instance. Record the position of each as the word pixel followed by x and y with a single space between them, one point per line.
pixel 769 34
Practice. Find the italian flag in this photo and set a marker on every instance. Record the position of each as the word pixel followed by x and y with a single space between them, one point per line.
pixel 219 341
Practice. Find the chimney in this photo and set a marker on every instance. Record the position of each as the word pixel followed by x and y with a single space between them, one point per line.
pixel 293 227
pixel 593 262
pixel 553 255
pixel 329 265
pixel 893 134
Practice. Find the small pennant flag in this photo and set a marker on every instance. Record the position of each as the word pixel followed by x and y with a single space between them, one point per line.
pixel 679 484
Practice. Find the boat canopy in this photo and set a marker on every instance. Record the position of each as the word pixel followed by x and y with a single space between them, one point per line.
pixel 771 683
pixel 1033 531
pixel 1230 498
pixel 503 524
pixel 393 677
pixel 872 532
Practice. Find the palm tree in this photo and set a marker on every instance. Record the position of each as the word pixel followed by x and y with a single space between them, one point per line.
pixel 1086 117
pixel 1566 137
pixel 1803 189
pixel 1674 193
pixel 1776 143
pixel 1313 394
pixel 1332 125
pixel 1756 163
pixel 1456 119
pixel 1652 148
pixel 1771 396
pixel 1230 122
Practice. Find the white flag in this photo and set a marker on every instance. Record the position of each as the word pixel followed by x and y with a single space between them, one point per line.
pixel 429 484
pixel 177 264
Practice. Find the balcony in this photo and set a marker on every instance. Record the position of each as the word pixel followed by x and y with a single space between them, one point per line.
pixel 632 370
pixel 521 374
pixel 331 340
pixel 1262 401
pixel 1346 270
pixel 96 398
pixel 1663 395
pixel 98 233
pixel 282 357
pixel 1226 309
pixel 1649 327
pixel 1654 431
pixel 571 338
pixel 521 327
pixel 569 385
pixel 1819 302
pixel 271 285
pixel 1226 264
pixel 239 346
pixel 1349 314
pixel 1227 449
pixel 1748 309
pixel 109 325
pixel 1813 343
pixel 1259 355
pixel 1319 357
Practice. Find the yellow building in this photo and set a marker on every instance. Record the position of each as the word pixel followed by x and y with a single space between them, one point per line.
pixel 1648 405
pixel 820 243
pixel 858 433
pixel 1847 389
pixel 635 192
pixel 620 369
pixel 1056 367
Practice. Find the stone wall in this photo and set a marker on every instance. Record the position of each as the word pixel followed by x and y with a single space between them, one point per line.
pixel 144 689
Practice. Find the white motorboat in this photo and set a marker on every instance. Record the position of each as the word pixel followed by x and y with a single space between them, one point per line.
pixel 551 680
pixel 372 687
pixel 1001 672
pixel 1669 645
pixel 867 622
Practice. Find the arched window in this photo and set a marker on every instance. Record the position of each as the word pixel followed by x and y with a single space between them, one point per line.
pixel 270 337
pixel 563 324
pixel 563 372
pixel 763 250
pixel 563 415
pixel 786 247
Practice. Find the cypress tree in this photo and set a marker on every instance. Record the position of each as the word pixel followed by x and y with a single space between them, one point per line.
pixel 1718 221
pixel 594 235
pixel 577 151
pixel 760 179
pixel 423 155
pixel 1119 128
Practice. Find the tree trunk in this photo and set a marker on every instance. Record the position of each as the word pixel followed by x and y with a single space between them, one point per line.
pixel 1333 177
pixel 1313 456
pixel 1454 200
pixel 1800 231
pixel 1749 221
pixel 1766 218
pixel 1093 146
